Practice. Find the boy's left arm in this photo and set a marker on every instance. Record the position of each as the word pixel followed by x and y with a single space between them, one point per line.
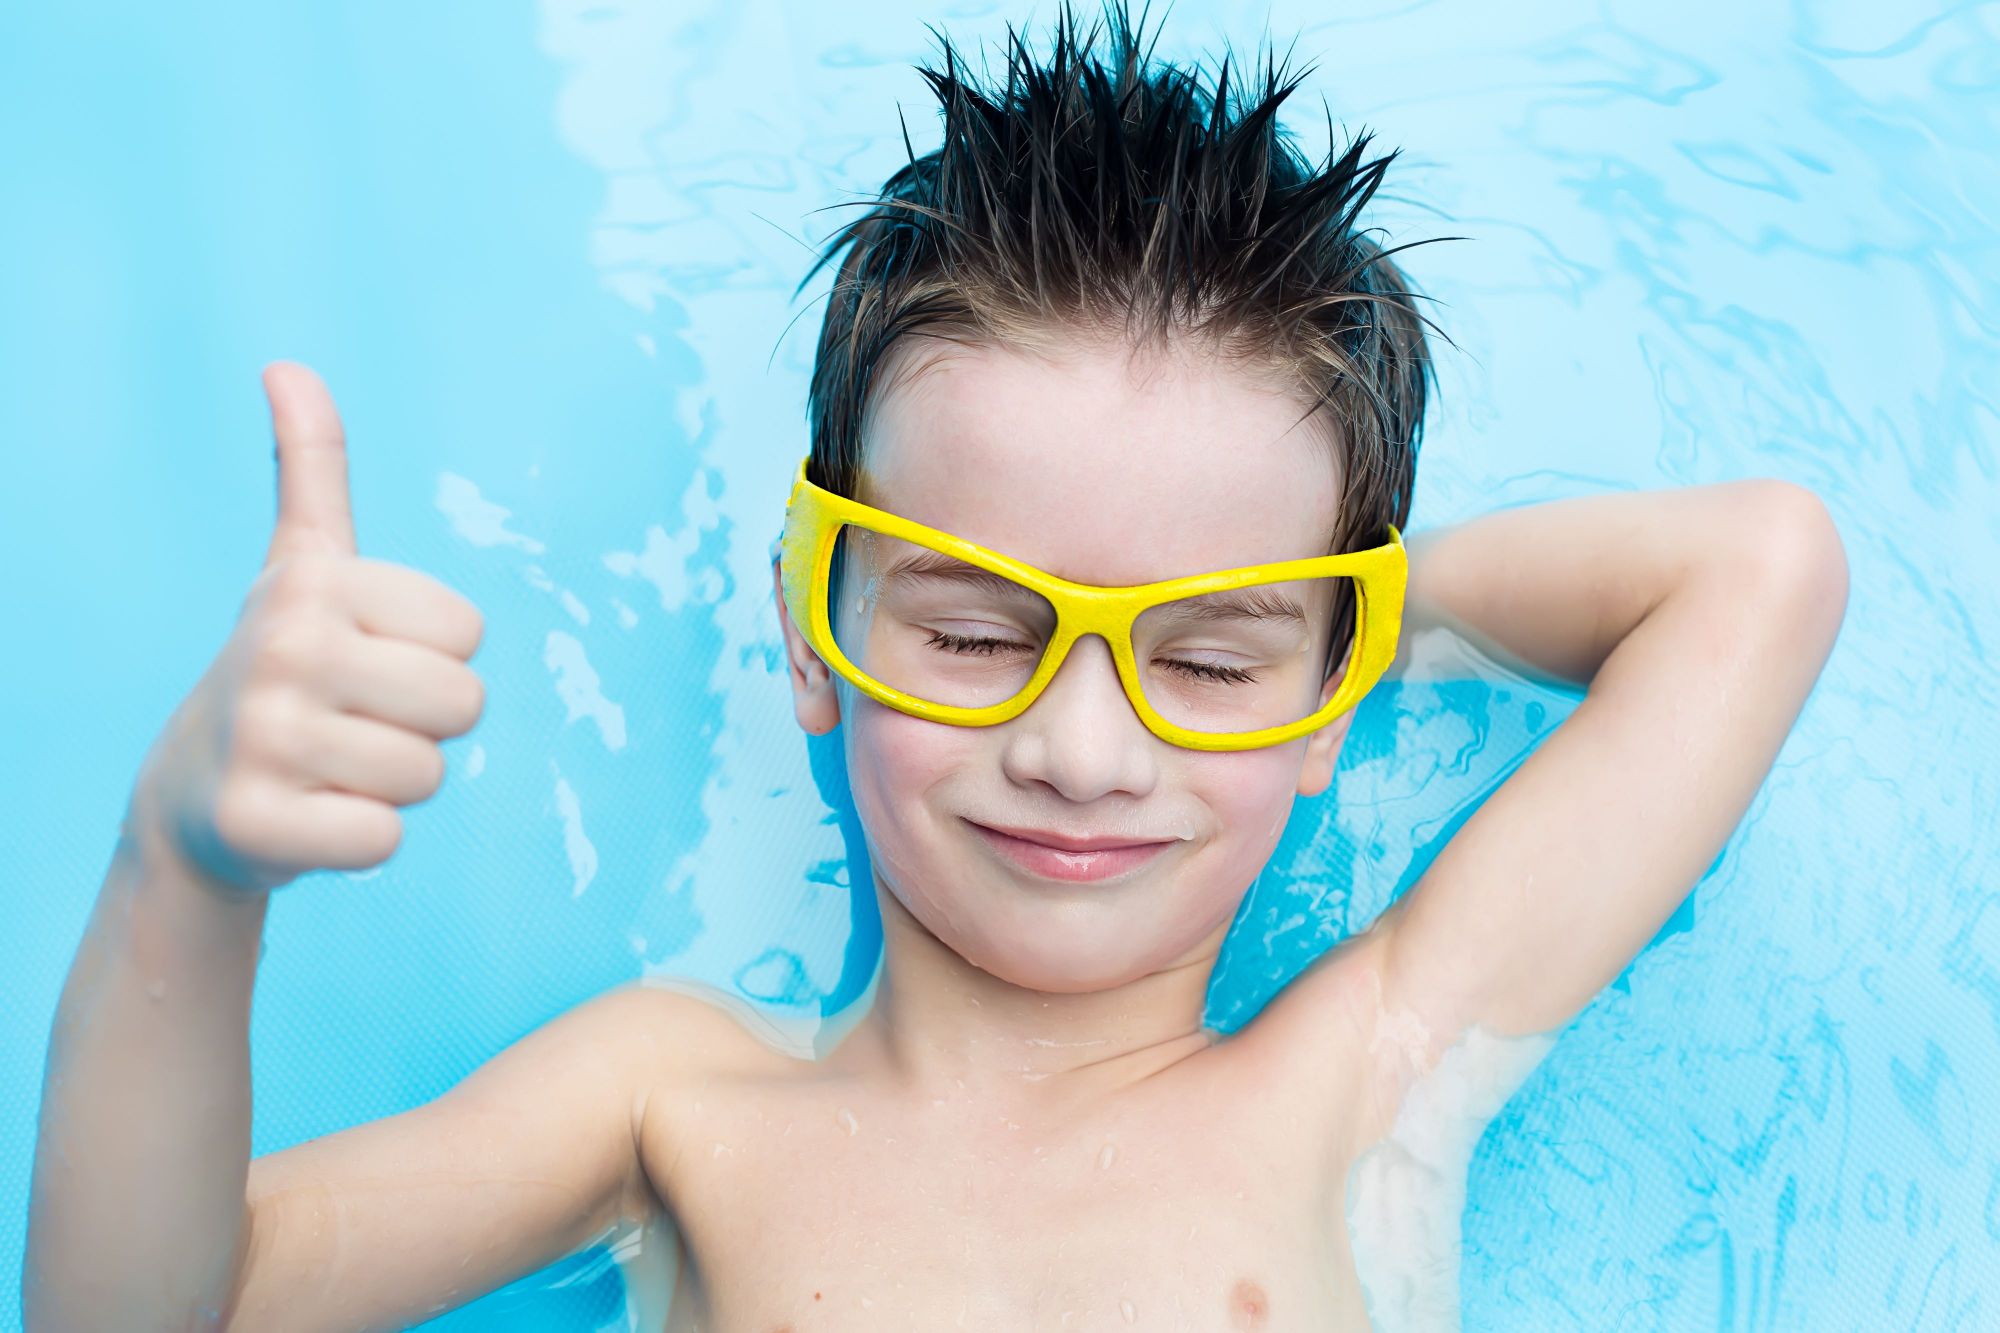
pixel 1700 618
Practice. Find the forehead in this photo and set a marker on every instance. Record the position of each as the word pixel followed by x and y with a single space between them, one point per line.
pixel 1098 464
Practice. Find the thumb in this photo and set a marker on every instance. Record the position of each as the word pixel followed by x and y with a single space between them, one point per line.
pixel 313 512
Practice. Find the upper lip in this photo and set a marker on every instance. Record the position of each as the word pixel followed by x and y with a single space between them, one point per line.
pixel 1068 842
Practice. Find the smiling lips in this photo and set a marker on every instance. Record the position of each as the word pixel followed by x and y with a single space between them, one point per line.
pixel 1055 856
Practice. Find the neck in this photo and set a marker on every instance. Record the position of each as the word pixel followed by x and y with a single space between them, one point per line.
pixel 948 1029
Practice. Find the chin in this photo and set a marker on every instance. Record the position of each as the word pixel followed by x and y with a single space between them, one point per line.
pixel 1060 976
pixel 1061 956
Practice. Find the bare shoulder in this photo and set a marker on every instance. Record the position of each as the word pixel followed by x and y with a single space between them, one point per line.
pixel 674 1027
pixel 685 1040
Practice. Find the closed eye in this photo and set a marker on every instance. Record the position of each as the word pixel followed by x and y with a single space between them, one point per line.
pixel 974 644
pixel 986 646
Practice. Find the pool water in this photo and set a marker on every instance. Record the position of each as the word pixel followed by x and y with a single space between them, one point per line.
pixel 545 257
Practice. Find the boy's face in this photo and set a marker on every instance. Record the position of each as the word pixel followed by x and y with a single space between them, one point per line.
pixel 1106 468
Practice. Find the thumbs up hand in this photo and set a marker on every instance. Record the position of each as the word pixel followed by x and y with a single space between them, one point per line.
pixel 323 711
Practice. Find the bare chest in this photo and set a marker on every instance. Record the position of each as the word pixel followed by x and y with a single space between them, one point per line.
pixel 816 1209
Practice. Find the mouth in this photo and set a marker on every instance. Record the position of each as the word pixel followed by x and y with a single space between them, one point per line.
pixel 1106 859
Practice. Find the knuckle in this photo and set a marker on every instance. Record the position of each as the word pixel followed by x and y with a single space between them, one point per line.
pixel 471 701
pixel 460 699
pixel 309 577
pixel 267 728
pixel 475 629
pixel 369 833
pixel 385 834
pixel 465 624
pixel 296 646
pixel 432 767
pixel 241 814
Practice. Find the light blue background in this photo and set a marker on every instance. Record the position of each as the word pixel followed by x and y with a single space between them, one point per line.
pixel 544 259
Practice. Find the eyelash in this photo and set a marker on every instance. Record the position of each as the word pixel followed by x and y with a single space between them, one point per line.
pixel 959 643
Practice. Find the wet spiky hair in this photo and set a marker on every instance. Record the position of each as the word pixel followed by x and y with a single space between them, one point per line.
pixel 1118 194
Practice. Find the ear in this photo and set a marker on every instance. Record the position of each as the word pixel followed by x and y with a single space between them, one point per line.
pixel 814 699
pixel 1323 746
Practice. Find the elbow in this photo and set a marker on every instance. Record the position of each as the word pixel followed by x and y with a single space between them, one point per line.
pixel 1795 554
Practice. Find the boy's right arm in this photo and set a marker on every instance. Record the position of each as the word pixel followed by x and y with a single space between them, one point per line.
pixel 530 1158
pixel 145 1217
pixel 320 716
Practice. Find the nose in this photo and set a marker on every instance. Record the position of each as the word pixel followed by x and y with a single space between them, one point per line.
pixel 1080 736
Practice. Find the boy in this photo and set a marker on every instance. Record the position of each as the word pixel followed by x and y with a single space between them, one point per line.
pixel 1110 335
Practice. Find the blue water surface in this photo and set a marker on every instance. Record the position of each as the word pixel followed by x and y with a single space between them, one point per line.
pixel 544 257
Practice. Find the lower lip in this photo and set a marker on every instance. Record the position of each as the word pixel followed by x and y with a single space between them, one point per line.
pixel 1055 863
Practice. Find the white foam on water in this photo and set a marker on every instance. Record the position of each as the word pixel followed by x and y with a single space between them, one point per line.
pixel 1406 1194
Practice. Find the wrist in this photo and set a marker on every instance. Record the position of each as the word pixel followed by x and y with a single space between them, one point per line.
pixel 170 901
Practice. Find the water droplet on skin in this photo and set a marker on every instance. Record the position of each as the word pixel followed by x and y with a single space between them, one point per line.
pixel 847 1118
pixel 1131 1315
pixel 1105 1158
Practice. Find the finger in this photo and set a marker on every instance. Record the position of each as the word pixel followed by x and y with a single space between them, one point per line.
pixel 337 830
pixel 406 685
pixel 355 754
pixel 314 512
pixel 399 602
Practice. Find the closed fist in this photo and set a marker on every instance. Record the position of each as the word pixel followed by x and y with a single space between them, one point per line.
pixel 323 712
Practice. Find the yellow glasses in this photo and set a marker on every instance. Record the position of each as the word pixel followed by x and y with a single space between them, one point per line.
pixel 943 628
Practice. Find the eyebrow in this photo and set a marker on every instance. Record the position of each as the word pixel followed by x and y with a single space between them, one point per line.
pixel 1256 603
pixel 1241 604
pixel 938 565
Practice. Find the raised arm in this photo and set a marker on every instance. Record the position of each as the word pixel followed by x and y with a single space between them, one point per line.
pixel 1700 618
pixel 320 716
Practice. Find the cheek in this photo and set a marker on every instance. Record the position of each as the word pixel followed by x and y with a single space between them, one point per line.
pixel 1249 794
pixel 897 766
pixel 893 763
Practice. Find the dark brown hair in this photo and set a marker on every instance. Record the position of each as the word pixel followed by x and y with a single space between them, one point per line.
pixel 1119 195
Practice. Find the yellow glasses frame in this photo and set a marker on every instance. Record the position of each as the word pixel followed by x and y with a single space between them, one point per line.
pixel 814 516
